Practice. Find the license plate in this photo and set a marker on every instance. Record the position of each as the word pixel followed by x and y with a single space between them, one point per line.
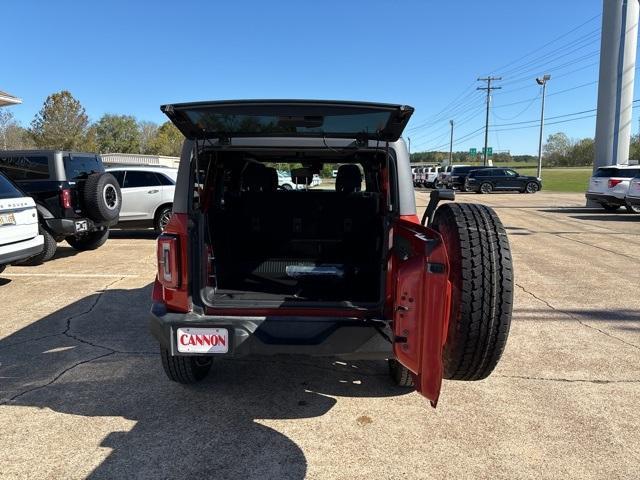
pixel 202 340
pixel 7 219
pixel 82 226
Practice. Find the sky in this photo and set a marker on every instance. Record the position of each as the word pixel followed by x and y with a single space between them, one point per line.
pixel 127 57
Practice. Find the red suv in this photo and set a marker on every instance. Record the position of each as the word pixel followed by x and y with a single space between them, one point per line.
pixel 344 270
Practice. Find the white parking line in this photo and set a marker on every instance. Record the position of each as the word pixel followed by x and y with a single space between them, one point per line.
pixel 70 275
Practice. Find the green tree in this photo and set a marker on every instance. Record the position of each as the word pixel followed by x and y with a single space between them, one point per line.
pixel 118 133
pixel 556 149
pixel 147 131
pixel 581 153
pixel 167 141
pixel 61 123
pixel 12 135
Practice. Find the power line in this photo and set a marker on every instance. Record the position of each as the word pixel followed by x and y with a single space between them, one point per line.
pixel 548 43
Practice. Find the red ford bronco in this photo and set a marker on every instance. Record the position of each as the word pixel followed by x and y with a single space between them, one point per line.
pixel 345 270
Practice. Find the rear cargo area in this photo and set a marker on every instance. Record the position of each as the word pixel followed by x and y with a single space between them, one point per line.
pixel 304 245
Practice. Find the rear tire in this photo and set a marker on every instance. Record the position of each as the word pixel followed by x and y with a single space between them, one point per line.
pixel 400 374
pixel 632 208
pixel 162 219
pixel 185 369
pixel 89 241
pixel 2 267
pixel 486 188
pixel 48 250
pixel 481 274
pixel 609 207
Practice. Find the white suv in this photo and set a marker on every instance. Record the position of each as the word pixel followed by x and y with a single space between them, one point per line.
pixel 19 236
pixel 147 195
pixel 633 195
pixel 609 186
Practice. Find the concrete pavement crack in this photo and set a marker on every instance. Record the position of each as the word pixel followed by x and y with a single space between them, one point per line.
pixel 566 380
pixel 54 379
pixel 574 317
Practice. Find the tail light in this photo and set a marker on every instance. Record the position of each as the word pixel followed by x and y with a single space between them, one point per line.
pixel 172 281
pixel 168 265
pixel 613 182
pixel 65 198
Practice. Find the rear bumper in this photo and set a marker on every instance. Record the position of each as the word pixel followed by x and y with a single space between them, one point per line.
pixel 603 198
pixel 314 336
pixel 21 250
pixel 68 226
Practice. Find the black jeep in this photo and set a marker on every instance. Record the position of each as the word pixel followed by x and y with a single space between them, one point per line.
pixel 77 200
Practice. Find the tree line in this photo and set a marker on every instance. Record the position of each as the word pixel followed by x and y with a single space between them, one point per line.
pixel 62 123
pixel 558 151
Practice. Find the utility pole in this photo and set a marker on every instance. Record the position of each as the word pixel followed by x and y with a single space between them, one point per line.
pixel 409 138
pixel 488 88
pixel 541 81
pixel 451 144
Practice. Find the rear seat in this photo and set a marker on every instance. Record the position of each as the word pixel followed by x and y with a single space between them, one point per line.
pixel 327 226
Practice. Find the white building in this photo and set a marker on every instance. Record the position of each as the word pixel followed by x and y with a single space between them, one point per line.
pixel 113 159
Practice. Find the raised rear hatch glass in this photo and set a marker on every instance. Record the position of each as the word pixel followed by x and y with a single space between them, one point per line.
pixel 289 118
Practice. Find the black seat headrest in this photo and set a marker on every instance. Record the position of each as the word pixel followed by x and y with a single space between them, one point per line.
pixel 348 179
pixel 258 178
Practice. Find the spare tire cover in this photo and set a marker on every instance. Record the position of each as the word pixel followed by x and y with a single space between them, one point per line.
pixel 102 197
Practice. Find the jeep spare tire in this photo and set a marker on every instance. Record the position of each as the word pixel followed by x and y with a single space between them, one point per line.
pixel 481 276
pixel 102 197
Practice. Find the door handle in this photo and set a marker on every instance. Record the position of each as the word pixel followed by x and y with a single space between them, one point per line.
pixel 153 191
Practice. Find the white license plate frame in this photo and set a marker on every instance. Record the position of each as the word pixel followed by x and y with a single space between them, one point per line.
pixel 7 219
pixel 202 340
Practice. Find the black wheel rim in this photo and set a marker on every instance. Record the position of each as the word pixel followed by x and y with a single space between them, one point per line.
pixel 532 188
pixel 110 197
pixel 163 221
pixel 486 188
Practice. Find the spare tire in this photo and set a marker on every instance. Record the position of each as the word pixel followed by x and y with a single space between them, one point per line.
pixel 481 275
pixel 102 197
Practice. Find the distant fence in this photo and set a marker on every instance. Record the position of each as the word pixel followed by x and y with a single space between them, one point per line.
pixel 138 159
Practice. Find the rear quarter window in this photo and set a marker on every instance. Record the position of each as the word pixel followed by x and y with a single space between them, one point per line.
pixel 25 167
pixel 78 166
pixel 8 190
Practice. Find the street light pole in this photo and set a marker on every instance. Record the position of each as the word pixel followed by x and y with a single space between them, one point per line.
pixel 409 138
pixel 541 81
pixel 451 144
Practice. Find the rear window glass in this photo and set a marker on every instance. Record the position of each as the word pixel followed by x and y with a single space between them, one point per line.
pixel 8 190
pixel 617 172
pixel 165 180
pixel 25 167
pixel 462 169
pixel 82 166
pixel 245 124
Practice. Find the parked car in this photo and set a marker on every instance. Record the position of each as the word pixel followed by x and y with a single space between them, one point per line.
pixel 76 199
pixel 431 176
pixel 246 268
pixel 285 182
pixel 457 176
pixel 147 195
pixel 609 186
pixel 487 180
pixel 632 198
pixel 442 178
pixel 19 237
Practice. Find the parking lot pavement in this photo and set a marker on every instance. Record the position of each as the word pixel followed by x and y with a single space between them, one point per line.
pixel 82 392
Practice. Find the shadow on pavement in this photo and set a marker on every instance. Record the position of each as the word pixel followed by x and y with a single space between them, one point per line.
pixel 96 358
pixel 135 234
pixel 615 217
